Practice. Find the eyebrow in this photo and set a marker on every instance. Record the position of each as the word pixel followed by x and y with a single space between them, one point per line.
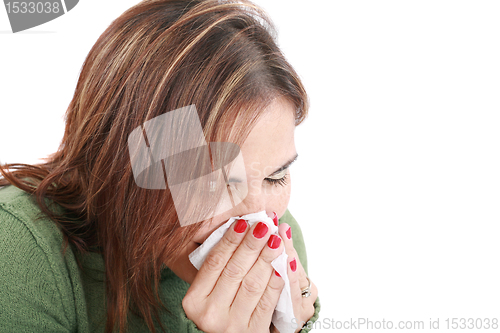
pixel 286 165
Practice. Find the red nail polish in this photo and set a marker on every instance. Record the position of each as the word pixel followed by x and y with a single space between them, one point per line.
pixel 277 274
pixel 275 219
pixel 260 230
pixel 293 265
pixel 274 242
pixel 289 233
pixel 240 226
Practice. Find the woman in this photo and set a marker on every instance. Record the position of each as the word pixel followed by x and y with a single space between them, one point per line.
pixel 127 265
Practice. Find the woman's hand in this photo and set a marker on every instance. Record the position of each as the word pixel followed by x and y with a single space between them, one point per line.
pixel 303 307
pixel 236 289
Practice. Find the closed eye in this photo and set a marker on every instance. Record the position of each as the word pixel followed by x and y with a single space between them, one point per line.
pixel 279 179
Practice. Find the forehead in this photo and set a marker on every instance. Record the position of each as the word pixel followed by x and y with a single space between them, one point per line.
pixel 271 142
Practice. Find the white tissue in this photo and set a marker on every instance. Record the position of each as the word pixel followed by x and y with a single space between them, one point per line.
pixel 283 314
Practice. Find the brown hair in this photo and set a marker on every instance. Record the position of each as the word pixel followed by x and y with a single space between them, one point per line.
pixel 158 56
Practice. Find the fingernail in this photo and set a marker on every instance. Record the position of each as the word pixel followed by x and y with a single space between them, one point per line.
pixel 289 233
pixel 260 230
pixel 275 219
pixel 240 226
pixel 293 265
pixel 277 274
pixel 274 242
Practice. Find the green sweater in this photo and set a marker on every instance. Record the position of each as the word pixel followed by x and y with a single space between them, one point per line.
pixel 43 291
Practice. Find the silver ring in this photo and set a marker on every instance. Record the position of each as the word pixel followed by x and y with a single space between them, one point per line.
pixel 307 291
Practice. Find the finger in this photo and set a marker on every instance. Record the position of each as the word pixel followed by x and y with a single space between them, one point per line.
pixel 255 282
pixel 314 292
pixel 295 288
pixel 263 313
pixel 303 307
pixel 217 258
pixel 285 232
pixel 240 263
pixel 308 309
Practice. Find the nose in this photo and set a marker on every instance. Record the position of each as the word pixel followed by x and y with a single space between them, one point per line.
pixel 254 202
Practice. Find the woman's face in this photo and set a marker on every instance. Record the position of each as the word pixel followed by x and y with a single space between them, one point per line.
pixel 269 147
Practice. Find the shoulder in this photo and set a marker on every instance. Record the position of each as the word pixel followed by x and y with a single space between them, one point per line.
pixel 18 205
pixel 23 223
pixel 34 282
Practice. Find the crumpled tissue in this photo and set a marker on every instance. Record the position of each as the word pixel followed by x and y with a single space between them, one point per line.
pixel 283 314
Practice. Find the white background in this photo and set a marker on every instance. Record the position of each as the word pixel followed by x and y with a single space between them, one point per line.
pixel 397 185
